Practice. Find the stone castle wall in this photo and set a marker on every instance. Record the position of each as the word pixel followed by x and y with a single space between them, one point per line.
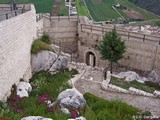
pixel 16 37
pixel 63 31
pixel 142 53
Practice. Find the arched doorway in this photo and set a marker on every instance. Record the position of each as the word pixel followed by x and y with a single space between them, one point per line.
pixel 90 59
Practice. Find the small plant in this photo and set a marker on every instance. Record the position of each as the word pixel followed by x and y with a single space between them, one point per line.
pixel 43 99
pixel 4 118
pixel 74 72
pixel 46 39
pixel 158 23
pixel 38 46
pixel 14 103
pixel 74 113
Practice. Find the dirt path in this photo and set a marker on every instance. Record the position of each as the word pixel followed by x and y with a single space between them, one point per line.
pixel 91 80
pixel 141 102
pixel 56 6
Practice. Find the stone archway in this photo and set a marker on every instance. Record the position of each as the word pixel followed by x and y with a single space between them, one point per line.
pixel 90 59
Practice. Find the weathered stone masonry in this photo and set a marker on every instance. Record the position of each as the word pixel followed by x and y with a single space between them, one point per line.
pixel 16 37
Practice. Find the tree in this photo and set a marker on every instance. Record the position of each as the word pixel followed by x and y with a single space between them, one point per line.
pixel 111 47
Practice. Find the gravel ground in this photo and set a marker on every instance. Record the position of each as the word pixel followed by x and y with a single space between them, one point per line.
pixel 90 82
pixel 141 102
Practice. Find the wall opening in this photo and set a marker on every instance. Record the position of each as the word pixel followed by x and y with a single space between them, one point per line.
pixel 90 59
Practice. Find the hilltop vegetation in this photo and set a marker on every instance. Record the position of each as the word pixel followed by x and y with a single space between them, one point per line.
pixel 42 6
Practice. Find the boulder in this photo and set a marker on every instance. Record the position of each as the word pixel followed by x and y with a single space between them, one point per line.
pixel 47 60
pixel 129 76
pixel 23 89
pixel 60 63
pixel 153 76
pixel 78 118
pixel 55 48
pixel 104 84
pixel 71 98
pixel 35 118
pixel 65 111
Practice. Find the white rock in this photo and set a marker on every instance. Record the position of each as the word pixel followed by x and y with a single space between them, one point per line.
pixel 129 76
pixel 157 93
pixel 71 97
pixel 80 118
pixel 104 84
pixel 55 48
pixel 139 92
pixel 65 110
pixel 47 60
pixel 119 89
pixel 35 118
pixel 23 89
pixel 153 76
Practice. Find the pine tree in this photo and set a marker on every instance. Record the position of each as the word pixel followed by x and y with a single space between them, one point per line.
pixel 111 47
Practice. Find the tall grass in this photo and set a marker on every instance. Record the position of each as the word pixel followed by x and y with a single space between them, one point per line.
pixel 109 110
pixel 41 44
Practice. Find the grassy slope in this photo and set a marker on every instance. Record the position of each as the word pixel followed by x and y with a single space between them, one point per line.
pixel 97 108
pixel 42 6
pixel 135 84
pixel 63 10
pixel 100 109
pixel 103 11
pixel 82 11
pixel 43 82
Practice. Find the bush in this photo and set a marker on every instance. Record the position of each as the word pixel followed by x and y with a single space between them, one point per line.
pixel 46 39
pixel 153 84
pixel 158 23
pixel 38 46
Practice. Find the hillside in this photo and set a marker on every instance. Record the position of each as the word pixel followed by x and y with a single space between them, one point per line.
pixel 150 5
pixel 102 10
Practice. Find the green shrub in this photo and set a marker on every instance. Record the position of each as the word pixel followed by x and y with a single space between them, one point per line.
pixel 38 46
pixel 46 39
pixel 158 23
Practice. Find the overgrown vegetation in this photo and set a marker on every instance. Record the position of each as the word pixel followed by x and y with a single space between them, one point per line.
pixel 44 84
pixel 100 109
pixel 148 86
pixel 81 9
pixel 49 86
pixel 63 10
pixel 41 44
pixel 42 6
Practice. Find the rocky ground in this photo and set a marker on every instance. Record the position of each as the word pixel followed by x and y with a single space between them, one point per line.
pixel 90 81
